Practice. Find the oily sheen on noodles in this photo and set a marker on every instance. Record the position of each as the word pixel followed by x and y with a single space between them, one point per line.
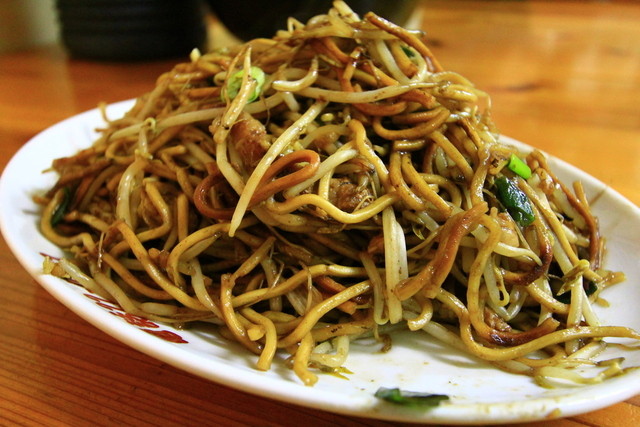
pixel 331 183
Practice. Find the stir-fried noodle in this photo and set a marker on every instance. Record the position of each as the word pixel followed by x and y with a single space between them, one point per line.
pixel 331 183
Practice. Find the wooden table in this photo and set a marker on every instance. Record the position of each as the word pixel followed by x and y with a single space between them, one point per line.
pixel 564 76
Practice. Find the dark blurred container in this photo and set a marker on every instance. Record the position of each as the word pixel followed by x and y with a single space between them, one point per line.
pixel 132 30
pixel 248 19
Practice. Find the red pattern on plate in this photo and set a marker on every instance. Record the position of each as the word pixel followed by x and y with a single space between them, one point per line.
pixel 139 322
pixel 166 335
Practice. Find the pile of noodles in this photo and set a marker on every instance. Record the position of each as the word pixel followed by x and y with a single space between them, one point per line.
pixel 332 183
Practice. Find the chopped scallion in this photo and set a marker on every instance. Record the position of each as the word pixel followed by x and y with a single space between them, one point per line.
pixel 519 167
pixel 235 82
pixel 515 201
pixel 61 209
pixel 590 288
pixel 408 51
pixel 410 398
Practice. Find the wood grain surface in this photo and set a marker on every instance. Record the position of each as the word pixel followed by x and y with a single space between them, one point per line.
pixel 563 76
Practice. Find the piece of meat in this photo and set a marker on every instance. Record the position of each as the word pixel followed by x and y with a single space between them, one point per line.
pixel 347 196
pixel 495 322
pixel 249 137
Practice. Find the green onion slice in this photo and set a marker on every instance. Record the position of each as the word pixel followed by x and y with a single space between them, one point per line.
pixel 590 288
pixel 410 398
pixel 515 201
pixel 62 208
pixel 518 166
pixel 408 51
pixel 235 82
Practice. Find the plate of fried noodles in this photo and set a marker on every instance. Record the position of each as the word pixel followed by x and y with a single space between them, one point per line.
pixel 330 218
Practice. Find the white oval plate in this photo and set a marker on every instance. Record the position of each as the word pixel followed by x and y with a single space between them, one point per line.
pixel 479 393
